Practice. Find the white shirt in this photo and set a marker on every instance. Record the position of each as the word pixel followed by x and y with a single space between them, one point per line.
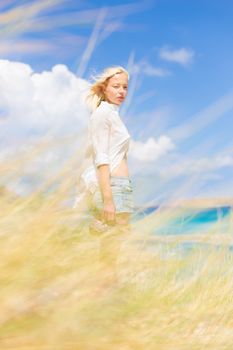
pixel 108 141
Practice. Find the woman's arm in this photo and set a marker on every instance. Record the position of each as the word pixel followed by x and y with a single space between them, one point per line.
pixel 100 132
pixel 109 210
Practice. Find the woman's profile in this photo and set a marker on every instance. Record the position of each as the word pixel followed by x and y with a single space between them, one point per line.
pixel 107 180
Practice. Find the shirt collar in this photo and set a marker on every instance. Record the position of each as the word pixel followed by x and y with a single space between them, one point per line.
pixel 113 106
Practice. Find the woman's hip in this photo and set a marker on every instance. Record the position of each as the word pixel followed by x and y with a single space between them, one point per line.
pixel 122 192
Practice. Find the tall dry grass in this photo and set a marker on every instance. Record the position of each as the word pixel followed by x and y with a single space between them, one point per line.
pixel 56 294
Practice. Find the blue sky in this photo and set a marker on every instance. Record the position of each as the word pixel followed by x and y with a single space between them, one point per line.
pixel 179 54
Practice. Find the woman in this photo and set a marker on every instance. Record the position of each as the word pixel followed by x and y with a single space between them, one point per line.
pixel 108 181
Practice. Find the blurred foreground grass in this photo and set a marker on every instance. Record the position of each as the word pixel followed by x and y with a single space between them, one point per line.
pixel 56 294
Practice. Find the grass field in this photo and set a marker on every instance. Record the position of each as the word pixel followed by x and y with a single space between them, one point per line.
pixel 56 294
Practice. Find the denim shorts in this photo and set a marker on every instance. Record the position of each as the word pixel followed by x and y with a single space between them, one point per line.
pixel 122 192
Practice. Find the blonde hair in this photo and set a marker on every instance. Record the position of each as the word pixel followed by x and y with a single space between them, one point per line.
pixel 96 92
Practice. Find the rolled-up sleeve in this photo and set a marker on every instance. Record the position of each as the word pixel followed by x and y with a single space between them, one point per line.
pixel 100 134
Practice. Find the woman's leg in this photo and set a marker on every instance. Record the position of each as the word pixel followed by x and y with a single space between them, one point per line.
pixel 111 235
pixel 110 244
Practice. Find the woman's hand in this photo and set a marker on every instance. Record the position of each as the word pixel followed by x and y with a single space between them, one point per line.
pixel 109 212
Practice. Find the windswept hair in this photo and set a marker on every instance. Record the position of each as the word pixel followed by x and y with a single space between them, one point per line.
pixel 96 92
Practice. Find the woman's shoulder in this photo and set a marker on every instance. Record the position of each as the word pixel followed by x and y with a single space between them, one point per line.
pixel 102 111
pixel 100 117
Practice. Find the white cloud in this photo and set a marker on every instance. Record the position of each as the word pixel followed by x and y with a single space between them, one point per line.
pixel 151 150
pixel 148 69
pixel 152 71
pixel 34 105
pixel 41 102
pixel 182 56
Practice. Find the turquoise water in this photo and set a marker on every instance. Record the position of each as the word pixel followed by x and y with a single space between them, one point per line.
pixel 192 221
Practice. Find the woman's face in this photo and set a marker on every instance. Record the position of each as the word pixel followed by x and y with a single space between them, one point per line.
pixel 117 88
